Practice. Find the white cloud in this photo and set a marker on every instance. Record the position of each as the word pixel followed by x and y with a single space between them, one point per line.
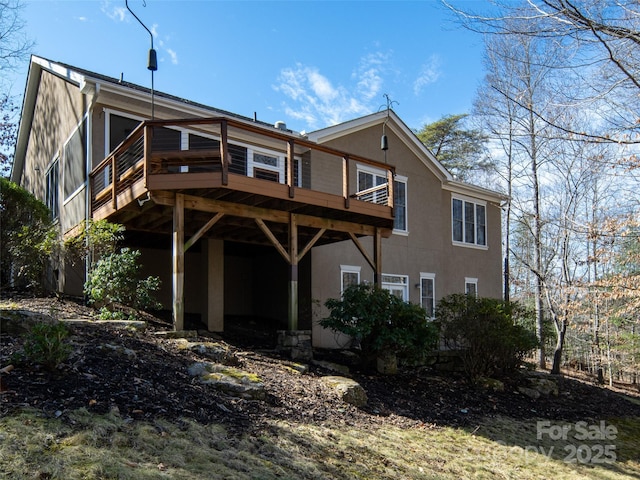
pixel 369 74
pixel 430 73
pixel 173 55
pixel 117 13
pixel 319 102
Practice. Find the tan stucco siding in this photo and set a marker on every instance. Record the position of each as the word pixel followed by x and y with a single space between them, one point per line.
pixel 58 110
pixel 426 246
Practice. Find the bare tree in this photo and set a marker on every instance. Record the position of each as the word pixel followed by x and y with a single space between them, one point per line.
pixel 521 80
pixel 14 48
pixel 604 41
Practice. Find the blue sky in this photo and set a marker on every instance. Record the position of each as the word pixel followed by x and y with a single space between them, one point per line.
pixel 309 63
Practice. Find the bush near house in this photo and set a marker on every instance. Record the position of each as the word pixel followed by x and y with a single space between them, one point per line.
pixel 381 323
pixel 114 283
pixel 27 237
pixel 489 333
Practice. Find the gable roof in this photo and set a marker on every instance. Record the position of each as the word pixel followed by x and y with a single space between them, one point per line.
pixel 88 82
pixel 92 82
pixel 394 123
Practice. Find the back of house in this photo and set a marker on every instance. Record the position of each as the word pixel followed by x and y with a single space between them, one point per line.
pixel 247 220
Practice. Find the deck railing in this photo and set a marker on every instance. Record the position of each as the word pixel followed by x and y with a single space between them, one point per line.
pixel 191 148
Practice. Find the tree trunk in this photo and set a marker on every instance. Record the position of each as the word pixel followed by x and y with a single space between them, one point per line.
pixel 557 353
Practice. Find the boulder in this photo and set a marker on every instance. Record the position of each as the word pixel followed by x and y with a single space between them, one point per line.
pixel 546 386
pixel 348 390
pixel 491 384
pixel 177 334
pixel 216 351
pixel 230 380
pixel 18 322
pixel 334 367
pixel 532 393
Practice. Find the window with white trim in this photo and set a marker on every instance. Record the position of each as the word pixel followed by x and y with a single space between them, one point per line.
pixel 397 285
pixel 471 286
pixel 52 193
pixel 349 275
pixel 372 185
pixel 118 126
pixel 468 222
pixel 428 293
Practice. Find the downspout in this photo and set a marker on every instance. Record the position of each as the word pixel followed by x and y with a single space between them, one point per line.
pixel 91 91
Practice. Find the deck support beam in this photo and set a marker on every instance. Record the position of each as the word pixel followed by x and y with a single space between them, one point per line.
pixel 293 273
pixel 376 261
pixel 178 263
pixel 214 284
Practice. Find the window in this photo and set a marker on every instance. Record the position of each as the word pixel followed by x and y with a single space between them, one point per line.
pixel 428 293
pixel 400 204
pixel 398 285
pixel 471 286
pixel 119 128
pixel 74 170
pixel 52 188
pixel 368 179
pixel 271 166
pixel 350 275
pixel 469 222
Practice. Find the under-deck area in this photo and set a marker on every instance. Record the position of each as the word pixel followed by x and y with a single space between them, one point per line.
pixel 218 183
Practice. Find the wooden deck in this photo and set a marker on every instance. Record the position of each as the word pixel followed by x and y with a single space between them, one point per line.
pixel 137 184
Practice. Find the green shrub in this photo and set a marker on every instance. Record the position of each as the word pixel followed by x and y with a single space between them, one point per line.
pixel 115 282
pixel 489 333
pixel 45 345
pixel 27 236
pixel 381 323
pixel 95 238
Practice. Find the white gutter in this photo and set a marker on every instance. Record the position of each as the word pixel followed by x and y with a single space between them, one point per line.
pixel 91 91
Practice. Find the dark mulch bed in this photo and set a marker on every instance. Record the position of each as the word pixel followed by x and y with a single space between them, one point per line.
pixel 152 381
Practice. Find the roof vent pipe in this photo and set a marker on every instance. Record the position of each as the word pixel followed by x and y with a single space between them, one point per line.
pixel 280 125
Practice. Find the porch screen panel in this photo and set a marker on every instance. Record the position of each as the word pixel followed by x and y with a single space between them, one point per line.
pixel 119 129
pixel 74 161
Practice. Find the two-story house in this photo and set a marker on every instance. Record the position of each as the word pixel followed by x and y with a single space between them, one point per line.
pixel 242 218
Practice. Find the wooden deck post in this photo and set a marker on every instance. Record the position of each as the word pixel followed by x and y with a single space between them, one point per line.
pixel 293 273
pixel 214 252
pixel 377 258
pixel 178 263
pixel 290 170
pixel 345 180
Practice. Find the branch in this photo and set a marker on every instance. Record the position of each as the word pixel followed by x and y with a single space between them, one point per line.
pixel 586 137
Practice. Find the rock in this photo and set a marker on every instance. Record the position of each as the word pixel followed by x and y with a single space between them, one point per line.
pixel 216 351
pixel 177 334
pixel 546 386
pixel 387 364
pixel 334 367
pixel 529 392
pixel 491 384
pixel 18 322
pixel 230 380
pixel 119 349
pixel 296 367
pixel 347 389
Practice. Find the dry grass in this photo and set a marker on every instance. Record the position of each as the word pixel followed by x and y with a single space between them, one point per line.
pixel 86 446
